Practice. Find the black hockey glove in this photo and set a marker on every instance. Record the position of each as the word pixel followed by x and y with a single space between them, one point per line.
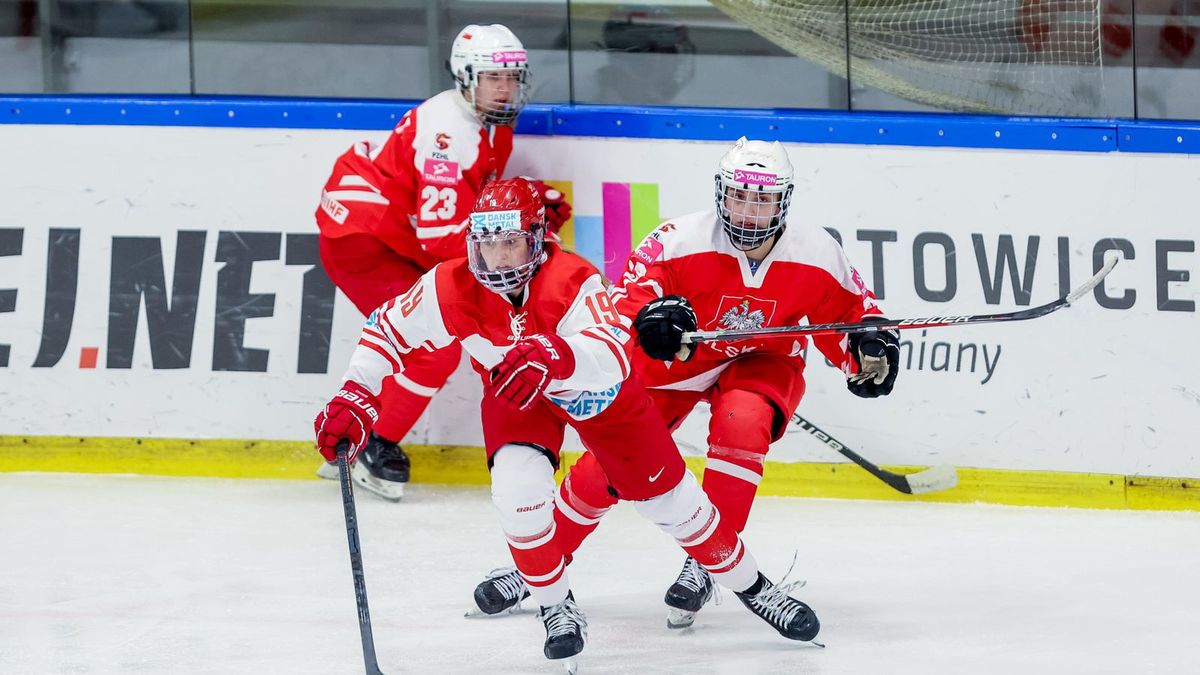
pixel 660 326
pixel 877 353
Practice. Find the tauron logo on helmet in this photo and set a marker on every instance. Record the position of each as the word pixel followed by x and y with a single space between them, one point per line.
pixel 754 177
pixel 509 56
pixel 496 221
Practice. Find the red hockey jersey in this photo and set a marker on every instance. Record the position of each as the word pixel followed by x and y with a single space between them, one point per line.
pixel 416 190
pixel 567 296
pixel 806 276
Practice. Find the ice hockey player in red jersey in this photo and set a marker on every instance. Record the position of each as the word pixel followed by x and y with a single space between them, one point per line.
pixel 390 212
pixel 540 329
pixel 742 265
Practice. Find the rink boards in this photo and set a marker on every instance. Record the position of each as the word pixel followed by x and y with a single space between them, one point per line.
pixel 161 283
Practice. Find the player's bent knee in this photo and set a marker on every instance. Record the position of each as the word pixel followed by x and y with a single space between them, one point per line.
pixel 522 489
pixel 684 512
pixel 743 412
pixel 741 425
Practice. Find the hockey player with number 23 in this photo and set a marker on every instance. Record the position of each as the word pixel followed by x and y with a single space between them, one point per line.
pixel 739 266
pixel 540 329
pixel 390 212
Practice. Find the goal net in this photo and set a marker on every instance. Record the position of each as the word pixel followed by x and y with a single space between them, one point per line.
pixel 992 56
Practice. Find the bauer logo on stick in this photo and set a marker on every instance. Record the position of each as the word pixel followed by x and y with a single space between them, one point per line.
pixel 936 319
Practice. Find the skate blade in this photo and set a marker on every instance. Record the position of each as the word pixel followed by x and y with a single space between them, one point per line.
pixel 678 619
pixel 476 613
pixel 385 489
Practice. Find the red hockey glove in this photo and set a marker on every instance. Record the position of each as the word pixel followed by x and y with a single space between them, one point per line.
pixel 558 210
pixel 528 367
pixel 349 415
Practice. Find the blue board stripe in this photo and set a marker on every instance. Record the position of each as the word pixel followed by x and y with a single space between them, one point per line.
pixel 716 124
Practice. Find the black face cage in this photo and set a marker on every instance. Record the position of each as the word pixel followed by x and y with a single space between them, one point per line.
pixel 748 238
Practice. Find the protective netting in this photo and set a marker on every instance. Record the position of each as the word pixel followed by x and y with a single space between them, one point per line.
pixel 995 56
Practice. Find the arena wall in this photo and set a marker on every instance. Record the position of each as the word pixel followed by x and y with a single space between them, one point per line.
pixel 162 309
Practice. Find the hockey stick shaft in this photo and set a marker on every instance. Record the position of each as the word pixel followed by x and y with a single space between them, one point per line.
pixel 929 480
pixel 893 480
pixel 356 563
pixel 903 324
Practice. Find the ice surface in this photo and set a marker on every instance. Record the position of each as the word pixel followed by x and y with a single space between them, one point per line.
pixel 127 574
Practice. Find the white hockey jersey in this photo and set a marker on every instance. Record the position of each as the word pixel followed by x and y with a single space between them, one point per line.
pixel 806 276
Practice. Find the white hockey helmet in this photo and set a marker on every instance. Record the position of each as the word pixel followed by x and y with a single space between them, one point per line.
pixel 481 49
pixel 753 190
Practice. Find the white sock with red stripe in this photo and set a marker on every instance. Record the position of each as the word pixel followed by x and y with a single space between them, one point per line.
pixel 686 514
pixel 523 494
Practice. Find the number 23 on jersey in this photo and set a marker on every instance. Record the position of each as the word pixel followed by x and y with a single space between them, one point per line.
pixel 438 203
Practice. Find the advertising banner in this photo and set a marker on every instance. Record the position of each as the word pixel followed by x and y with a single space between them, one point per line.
pixel 165 282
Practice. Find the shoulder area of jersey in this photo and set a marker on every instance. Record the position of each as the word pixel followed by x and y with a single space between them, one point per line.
pixel 684 233
pixel 563 266
pixel 455 274
pixel 448 111
pixel 446 140
pixel 456 281
pixel 687 226
pixel 805 234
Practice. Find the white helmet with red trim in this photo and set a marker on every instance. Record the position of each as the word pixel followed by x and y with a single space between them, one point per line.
pixel 505 244
pixel 484 49
pixel 753 191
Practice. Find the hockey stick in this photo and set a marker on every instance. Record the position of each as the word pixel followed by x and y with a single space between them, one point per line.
pixel 731 335
pixel 934 479
pixel 356 563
